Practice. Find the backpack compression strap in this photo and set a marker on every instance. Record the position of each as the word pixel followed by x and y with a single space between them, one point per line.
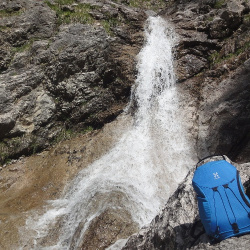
pixel 234 225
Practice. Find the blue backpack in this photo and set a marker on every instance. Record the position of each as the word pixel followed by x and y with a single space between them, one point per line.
pixel 223 205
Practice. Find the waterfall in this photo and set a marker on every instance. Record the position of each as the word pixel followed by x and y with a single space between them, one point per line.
pixel 140 172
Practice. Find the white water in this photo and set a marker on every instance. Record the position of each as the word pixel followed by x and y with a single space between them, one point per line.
pixel 147 163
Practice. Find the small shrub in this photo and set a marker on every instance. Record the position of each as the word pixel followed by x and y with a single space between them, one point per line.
pixel 79 13
pixel 64 2
pixel 210 18
pixel 246 19
pixel 4 28
pixel 63 135
pixel 25 46
pixel 22 48
pixel 219 4
pixel 109 23
pixel 88 129
pixel 147 4
pixel 8 13
pixel 216 57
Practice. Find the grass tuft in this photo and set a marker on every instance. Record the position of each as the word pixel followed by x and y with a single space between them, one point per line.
pixel 88 129
pixel 9 13
pixel 216 57
pixel 219 4
pixel 77 13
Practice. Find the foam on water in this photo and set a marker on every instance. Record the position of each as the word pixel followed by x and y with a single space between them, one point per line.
pixel 147 163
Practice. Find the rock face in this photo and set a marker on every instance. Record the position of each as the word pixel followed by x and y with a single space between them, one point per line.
pixel 63 68
pixel 213 64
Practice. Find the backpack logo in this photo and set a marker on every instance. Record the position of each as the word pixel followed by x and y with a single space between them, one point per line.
pixel 216 176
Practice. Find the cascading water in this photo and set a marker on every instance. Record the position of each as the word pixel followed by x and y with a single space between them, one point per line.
pixel 140 172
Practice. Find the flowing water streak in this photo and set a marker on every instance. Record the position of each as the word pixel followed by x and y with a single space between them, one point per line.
pixel 148 162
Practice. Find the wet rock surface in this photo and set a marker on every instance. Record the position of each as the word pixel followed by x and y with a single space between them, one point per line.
pixel 106 229
pixel 28 183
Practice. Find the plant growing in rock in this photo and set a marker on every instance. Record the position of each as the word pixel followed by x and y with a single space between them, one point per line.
pixel 9 13
pixel 88 129
pixel 3 152
pixel 63 135
pixel 109 23
pixel 22 48
pixel 70 12
pixel 219 4
pixel 219 57
pixel 146 4
pixel 246 19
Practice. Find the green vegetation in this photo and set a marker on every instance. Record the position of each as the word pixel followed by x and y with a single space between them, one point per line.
pixel 22 48
pixel 8 13
pixel 34 148
pixel 109 23
pixel 2 28
pixel 216 57
pixel 64 2
pixel 210 19
pixel 219 4
pixel 87 129
pixel 66 134
pixel 63 135
pixel 246 19
pixel 245 47
pixel 147 4
pixel 26 46
pixel 4 158
pixel 136 3
pixel 78 13
pixel 4 153
pixel 11 148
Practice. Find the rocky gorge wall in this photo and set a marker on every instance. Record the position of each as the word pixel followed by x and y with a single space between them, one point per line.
pixel 68 68
pixel 213 66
